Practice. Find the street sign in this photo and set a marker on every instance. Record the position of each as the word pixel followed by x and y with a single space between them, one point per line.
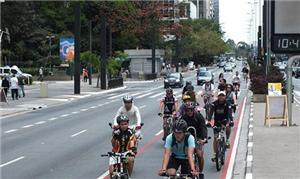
pixel 276 109
pixel 274 89
pixel 285 27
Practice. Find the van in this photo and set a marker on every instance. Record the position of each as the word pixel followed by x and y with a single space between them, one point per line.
pixel 9 71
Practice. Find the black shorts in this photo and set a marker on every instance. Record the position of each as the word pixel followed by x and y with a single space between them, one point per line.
pixel 220 124
pixel 174 163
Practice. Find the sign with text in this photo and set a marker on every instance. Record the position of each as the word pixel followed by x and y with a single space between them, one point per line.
pixel 285 26
pixel 66 49
pixel 274 89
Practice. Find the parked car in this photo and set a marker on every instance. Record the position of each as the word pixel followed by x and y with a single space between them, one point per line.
pixel 174 80
pixel 191 65
pixel 228 67
pixel 9 71
pixel 203 76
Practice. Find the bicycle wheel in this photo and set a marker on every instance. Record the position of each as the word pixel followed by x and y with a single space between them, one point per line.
pixel 223 150
pixel 218 156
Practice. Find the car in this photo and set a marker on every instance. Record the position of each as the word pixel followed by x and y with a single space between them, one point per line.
pixel 9 71
pixel 201 69
pixel 282 67
pixel 221 64
pixel 228 67
pixel 174 80
pixel 203 76
pixel 297 73
pixel 233 64
pixel 191 65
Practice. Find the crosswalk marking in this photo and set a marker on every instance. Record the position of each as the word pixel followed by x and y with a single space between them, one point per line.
pixel 113 97
pixel 153 96
pixel 147 94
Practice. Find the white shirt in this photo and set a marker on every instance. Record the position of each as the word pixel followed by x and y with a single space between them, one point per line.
pixel 236 77
pixel 207 89
pixel 14 83
pixel 133 115
pixel 41 71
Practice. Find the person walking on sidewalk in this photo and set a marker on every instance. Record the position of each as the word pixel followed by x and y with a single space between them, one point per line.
pixel 14 87
pixel 5 85
pixel 41 74
pixel 85 75
pixel 21 85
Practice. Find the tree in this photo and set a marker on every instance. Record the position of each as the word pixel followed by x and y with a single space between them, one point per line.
pixel 88 57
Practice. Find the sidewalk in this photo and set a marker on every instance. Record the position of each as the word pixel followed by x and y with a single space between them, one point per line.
pixel 276 150
pixel 59 92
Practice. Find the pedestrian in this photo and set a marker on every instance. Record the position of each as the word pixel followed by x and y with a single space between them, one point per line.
pixel 21 85
pixel 85 75
pixel 41 74
pixel 14 87
pixel 5 85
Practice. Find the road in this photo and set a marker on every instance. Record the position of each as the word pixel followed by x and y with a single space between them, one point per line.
pixel 66 141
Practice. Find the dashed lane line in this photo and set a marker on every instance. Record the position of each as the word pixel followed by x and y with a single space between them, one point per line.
pixel 83 110
pixel 116 96
pixel 144 95
pixel 93 107
pixel 141 107
pixel 52 119
pixel 40 122
pixel 27 126
pixel 10 131
pixel 12 161
pixel 78 133
pixel 153 96
pixel 75 112
pixel 65 115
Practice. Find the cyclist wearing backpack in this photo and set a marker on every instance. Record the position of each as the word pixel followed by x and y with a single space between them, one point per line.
pixel 196 120
pixel 179 150
pixel 231 100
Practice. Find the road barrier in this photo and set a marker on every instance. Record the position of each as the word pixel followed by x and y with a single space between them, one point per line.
pixel 115 82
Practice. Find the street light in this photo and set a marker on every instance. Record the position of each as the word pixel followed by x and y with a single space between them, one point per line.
pixel 50 37
pixel 8 38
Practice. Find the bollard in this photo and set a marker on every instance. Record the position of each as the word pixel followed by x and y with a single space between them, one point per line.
pixel 44 90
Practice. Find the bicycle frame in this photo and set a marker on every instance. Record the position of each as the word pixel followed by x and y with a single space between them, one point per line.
pixel 221 148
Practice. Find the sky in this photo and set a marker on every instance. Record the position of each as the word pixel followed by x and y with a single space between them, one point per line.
pixel 235 20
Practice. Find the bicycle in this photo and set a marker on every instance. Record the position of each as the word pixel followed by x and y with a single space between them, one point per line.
pixel 120 168
pixel 221 147
pixel 179 176
pixel 236 87
pixel 193 132
pixel 168 124
pixel 207 106
pixel 245 76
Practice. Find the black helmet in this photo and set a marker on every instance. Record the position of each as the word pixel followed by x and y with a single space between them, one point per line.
pixel 127 99
pixel 169 91
pixel 180 126
pixel 189 105
pixel 122 118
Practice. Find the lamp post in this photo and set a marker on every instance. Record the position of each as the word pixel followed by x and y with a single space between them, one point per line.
pixel 50 37
pixel 8 38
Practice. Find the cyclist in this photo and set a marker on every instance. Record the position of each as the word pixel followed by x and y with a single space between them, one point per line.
pixel 185 99
pixel 231 100
pixel 190 91
pixel 187 83
pixel 133 114
pixel 123 140
pixel 168 106
pixel 245 72
pixel 236 80
pixel 207 90
pixel 221 76
pixel 179 150
pixel 220 110
pixel 222 85
pixel 196 120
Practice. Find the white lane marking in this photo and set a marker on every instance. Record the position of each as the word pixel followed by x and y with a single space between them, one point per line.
pixel 135 94
pixel 78 133
pixel 157 134
pixel 250 126
pixel 113 97
pixel 57 99
pixel 40 122
pixel 250 134
pixel 65 115
pixel 249 158
pixel 10 131
pixel 296 100
pixel 297 93
pixel 107 102
pixel 75 112
pixel 100 105
pixel 153 96
pixel 141 107
pixel 249 176
pixel 144 95
pixel 13 161
pixel 103 175
pixel 27 126
pixel 235 145
pixel 84 109
pixel 250 144
pixel 93 107
pixel 52 119
pixel 111 94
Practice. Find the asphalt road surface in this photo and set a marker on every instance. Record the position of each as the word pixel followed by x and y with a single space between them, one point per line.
pixel 66 141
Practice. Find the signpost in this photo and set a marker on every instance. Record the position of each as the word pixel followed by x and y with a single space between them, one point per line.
pixel 285 37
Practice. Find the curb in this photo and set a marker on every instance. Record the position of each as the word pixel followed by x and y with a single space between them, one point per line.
pixel 249 158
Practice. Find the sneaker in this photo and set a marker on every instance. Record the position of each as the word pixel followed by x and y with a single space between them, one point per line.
pixel 213 159
pixel 227 144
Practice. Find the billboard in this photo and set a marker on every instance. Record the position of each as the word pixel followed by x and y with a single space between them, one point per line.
pixel 66 49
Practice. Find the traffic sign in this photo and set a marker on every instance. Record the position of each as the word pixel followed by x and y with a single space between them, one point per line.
pixel 285 27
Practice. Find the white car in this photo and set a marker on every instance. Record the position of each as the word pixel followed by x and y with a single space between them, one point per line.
pixel 228 67
pixel 233 64
pixel 9 71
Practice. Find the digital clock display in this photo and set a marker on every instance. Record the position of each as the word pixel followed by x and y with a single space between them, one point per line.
pixel 286 44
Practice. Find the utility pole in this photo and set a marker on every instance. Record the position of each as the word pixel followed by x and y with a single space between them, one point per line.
pixel 153 49
pixel 91 42
pixel 103 52
pixel 77 49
